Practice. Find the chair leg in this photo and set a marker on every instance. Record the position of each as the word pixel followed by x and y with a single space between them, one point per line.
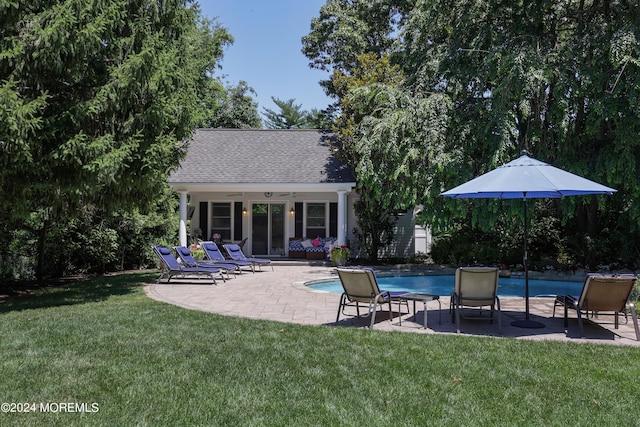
pixel 499 316
pixel 555 304
pixel 452 307
pixel 373 313
pixel 457 307
pixel 634 318
pixel 340 307
pixel 580 326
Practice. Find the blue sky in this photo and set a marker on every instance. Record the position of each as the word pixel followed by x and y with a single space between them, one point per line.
pixel 267 49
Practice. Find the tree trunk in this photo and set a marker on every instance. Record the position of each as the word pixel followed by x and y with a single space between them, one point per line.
pixel 44 231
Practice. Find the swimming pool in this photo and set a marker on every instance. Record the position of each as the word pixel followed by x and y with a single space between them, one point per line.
pixel 443 286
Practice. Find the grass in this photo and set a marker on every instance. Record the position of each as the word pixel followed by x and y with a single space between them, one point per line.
pixel 143 362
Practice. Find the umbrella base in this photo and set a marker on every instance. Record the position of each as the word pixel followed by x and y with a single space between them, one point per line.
pixel 531 324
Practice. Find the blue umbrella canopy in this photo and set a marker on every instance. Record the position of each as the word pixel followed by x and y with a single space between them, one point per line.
pixel 525 178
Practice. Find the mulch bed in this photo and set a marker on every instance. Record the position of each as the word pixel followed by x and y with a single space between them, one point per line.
pixel 21 288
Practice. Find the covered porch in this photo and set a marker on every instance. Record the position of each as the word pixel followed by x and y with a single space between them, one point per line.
pixel 266 216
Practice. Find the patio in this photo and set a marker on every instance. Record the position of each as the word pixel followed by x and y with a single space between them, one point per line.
pixel 281 296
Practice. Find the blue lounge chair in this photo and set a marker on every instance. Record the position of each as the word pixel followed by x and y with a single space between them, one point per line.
pixel 187 259
pixel 171 267
pixel 361 286
pixel 214 255
pixel 236 254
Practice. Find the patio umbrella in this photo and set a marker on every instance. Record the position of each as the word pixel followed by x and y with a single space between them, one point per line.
pixel 524 178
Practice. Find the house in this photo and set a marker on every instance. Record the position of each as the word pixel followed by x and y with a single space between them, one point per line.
pixel 267 186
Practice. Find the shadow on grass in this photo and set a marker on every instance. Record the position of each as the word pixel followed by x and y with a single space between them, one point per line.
pixel 80 291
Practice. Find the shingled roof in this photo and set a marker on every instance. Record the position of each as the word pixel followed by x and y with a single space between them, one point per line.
pixel 226 156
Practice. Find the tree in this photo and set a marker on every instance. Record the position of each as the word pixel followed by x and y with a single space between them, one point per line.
pixel 355 39
pixel 232 108
pixel 346 29
pixel 555 78
pixel 291 116
pixel 386 134
pixel 98 97
pixel 320 119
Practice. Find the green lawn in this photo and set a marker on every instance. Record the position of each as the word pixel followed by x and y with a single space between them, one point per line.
pixel 142 362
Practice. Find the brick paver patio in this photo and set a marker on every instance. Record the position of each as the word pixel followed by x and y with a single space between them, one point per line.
pixel 281 296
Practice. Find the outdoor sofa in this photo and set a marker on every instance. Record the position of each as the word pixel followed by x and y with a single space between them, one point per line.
pixel 318 248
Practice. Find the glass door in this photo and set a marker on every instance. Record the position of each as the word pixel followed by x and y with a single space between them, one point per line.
pixel 267 225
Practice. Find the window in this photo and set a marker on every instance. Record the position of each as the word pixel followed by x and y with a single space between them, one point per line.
pixel 316 220
pixel 221 220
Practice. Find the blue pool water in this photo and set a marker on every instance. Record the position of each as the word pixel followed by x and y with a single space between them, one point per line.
pixel 443 286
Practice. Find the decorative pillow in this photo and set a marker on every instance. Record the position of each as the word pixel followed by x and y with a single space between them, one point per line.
pixel 165 251
pixel 329 243
pixel 307 243
pixel 316 242
pixel 184 251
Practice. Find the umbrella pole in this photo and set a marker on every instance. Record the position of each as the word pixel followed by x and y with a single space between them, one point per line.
pixel 526 323
pixel 526 260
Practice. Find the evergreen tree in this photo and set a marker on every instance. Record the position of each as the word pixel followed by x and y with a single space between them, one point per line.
pixel 290 116
pixel 96 98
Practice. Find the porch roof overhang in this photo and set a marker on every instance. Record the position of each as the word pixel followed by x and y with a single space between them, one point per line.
pixel 199 187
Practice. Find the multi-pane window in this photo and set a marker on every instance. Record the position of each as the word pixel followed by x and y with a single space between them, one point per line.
pixel 221 220
pixel 316 220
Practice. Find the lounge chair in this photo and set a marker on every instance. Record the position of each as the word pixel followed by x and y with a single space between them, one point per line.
pixel 214 255
pixel 171 267
pixel 601 293
pixel 187 259
pixel 243 242
pixel 476 287
pixel 235 252
pixel 361 286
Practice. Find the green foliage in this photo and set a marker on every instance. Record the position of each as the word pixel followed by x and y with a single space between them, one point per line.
pixel 345 30
pixel 97 98
pixel 383 133
pixel 559 80
pixel 517 85
pixel 290 116
pixel 320 119
pixel 99 242
pixel 418 258
pixel 231 108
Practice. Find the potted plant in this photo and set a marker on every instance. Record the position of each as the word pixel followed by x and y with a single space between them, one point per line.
pixel 340 255
pixel 197 252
